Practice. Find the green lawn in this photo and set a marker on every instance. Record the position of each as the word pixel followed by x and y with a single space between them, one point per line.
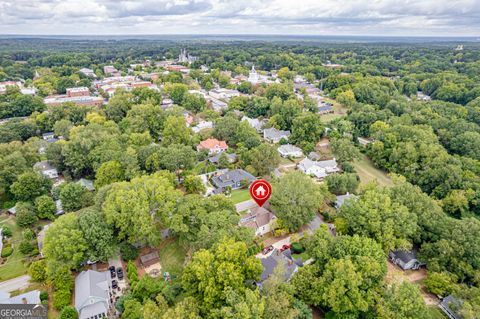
pixel 172 256
pixel 286 161
pixel 368 172
pixel 434 312
pixel 14 266
pixel 240 195
pixel 339 111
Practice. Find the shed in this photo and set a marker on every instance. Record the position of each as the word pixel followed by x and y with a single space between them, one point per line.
pixel 150 259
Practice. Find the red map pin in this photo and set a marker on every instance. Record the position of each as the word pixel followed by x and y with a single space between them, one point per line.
pixel 260 190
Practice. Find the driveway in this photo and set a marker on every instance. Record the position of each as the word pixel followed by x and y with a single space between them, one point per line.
pixel 116 261
pixel 15 284
pixel 245 205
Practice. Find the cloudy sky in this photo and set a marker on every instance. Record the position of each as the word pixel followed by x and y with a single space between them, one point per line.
pixel 306 17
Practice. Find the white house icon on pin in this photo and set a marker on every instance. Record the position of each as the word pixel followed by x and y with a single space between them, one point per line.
pixel 260 191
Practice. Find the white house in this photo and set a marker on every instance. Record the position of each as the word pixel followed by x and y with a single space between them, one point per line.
pixel 223 94
pixel 319 169
pixel 48 135
pixel 88 72
pixel 217 105
pixel 255 123
pixel 290 150
pixel 46 169
pixel 202 125
pixel 260 219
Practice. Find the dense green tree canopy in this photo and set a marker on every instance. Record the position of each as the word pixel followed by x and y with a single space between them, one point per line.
pixel 139 209
pixel 296 199
pixel 215 273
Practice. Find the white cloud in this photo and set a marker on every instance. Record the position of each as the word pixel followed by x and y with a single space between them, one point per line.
pixel 370 17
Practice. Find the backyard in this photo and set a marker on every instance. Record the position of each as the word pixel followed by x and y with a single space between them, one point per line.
pixel 14 266
pixel 338 111
pixel 172 256
pixel 240 195
pixel 368 172
pixel 435 313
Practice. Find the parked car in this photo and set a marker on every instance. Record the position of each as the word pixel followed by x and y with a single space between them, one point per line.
pixel 114 284
pixel 268 249
pixel 120 273
pixel 112 271
pixel 285 247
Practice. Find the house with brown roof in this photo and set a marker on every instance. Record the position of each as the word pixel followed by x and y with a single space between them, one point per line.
pixel 213 146
pixel 259 219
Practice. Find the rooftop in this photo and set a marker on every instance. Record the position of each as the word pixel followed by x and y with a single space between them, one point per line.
pixel 212 143
pixel 274 133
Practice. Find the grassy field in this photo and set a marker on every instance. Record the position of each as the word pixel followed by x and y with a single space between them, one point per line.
pixel 368 172
pixel 338 109
pixel 240 195
pixel 172 256
pixel 14 266
pixel 435 313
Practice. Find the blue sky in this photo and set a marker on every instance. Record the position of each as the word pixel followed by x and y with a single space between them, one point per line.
pixel 305 17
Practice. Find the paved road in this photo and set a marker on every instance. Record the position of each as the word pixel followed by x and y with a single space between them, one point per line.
pixel 15 284
pixel 245 205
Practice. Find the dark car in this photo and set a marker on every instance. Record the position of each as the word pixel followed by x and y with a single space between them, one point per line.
pixel 268 249
pixel 112 271
pixel 285 247
pixel 114 284
pixel 120 273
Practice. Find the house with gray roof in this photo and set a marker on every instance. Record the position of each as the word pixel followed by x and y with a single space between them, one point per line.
pixel 273 135
pixel 92 294
pixel 86 183
pixel 406 259
pixel 46 169
pixel 231 158
pixel 450 306
pixel 342 198
pixel 325 108
pixel 231 178
pixel 47 136
pixel 313 156
pixel 290 150
pixel 255 123
pixel 319 169
pixel 278 258
pixel 259 219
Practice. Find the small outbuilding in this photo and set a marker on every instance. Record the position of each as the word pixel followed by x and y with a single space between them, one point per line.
pixel 150 259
